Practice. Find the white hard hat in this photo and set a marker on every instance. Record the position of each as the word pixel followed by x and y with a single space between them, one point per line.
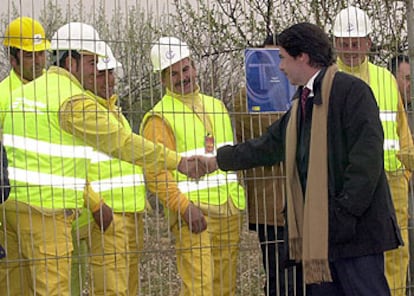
pixel 80 37
pixel 352 22
pixel 108 62
pixel 167 51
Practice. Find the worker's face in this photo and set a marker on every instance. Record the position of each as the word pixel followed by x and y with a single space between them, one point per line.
pixel 29 65
pixel 352 50
pixel 85 70
pixel 292 67
pixel 180 78
pixel 105 83
pixel 403 80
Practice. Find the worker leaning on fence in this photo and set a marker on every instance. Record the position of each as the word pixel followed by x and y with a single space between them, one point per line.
pixel 113 253
pixel 351 39
pixel 50 129
pixel 26 44
pixel 205 215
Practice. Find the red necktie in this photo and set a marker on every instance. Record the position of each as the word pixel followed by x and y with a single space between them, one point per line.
pixel 303 97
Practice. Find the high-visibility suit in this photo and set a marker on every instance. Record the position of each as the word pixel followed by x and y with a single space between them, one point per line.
pixel 396 137
pixel 50 130
pixel 122 186
pixel 207 261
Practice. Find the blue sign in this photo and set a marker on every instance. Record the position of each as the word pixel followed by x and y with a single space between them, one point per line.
pixel 267 88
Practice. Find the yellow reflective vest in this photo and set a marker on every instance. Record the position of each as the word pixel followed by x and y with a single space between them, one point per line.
pixel 190 136
pixel 386 93
pixel 47 166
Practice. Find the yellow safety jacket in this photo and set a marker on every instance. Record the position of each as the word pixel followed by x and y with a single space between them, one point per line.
pixel 47 166
pixel 7 85
pixel 120 183
pixel 190 135
pixel 386 93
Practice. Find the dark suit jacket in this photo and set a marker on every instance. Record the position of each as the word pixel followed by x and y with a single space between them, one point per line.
pixel 4 176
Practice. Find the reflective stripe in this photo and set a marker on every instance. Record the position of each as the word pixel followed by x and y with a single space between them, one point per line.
pixel 28 105
pixel 207 182
pixel 388 116
pixel 47 148
pixel 391 144
pixel 43 179
pixel 96 156
pixel 200 151
pixel 118 182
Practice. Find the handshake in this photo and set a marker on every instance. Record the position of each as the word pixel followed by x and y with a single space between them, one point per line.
pixel 197 166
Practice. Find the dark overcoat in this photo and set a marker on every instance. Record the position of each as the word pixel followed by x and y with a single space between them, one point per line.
pixel 362 219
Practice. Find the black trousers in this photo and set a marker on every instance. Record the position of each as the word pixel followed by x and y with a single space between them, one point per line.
pixel 280 280
pixel 358 276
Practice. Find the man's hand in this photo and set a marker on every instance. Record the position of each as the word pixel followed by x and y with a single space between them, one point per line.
pixel 197 166
pixel 195 219
pixel 406 156
pixel 210 164
pixel 103 216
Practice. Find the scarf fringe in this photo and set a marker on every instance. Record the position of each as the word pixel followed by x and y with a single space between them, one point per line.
pixel 317 271
pixel 295 249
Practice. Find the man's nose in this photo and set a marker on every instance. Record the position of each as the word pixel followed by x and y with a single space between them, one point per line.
pixel 39 57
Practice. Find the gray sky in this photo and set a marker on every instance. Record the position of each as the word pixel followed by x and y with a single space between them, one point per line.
pixel 32 8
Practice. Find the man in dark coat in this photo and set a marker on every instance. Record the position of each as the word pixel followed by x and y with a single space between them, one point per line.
pixel 340 215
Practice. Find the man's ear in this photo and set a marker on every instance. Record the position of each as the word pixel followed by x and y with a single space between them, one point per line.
pixel 369 42
pixel 303 57
pixel 195 71
pixel 70 64
pixel 14 62
pixel 162 79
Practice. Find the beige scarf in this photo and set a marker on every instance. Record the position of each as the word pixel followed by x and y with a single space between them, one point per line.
pixel 308 221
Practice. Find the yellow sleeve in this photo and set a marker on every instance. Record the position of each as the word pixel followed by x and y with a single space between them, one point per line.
pixel 406 140
pixel 163 182
pixel 403 130
pixel 92 200
pixel 98 127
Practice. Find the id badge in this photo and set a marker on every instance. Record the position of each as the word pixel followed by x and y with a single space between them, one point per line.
pixel 209 144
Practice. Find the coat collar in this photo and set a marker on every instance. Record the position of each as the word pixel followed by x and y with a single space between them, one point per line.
pixel 317 87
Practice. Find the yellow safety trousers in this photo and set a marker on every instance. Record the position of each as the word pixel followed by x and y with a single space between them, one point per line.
pixel 112 257
pixel 396 261
pixel 37 262
pixel 207 262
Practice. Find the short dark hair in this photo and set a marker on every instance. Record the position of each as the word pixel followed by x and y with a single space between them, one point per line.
pixel 60 56
pixel 14 52
pixel 271 39
pixel 310 39
pixel 395 62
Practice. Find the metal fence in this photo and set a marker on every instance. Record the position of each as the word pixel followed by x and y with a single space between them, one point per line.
pixel 43 229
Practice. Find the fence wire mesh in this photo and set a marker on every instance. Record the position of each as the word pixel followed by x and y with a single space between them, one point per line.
pixel 81 219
